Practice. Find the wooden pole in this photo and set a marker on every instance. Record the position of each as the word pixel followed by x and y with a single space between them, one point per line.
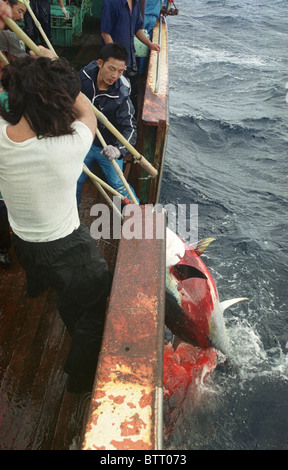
pixel 106 197
pixel 105 185
pixel 38 24
pixel 138 157
pixel 3 59
pixel 118 170
pixel 22 35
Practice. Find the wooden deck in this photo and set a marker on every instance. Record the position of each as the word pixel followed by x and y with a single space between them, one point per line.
pixel 32 382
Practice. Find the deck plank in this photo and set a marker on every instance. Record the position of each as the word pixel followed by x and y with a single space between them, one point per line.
pixel 34 404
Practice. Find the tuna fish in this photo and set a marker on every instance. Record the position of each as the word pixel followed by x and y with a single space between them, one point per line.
pixel 194 313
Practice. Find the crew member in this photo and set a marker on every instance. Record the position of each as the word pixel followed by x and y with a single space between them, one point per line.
pixel 46 132
pixel 103 83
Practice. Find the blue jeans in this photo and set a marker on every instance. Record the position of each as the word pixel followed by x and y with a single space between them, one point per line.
pixel 94 156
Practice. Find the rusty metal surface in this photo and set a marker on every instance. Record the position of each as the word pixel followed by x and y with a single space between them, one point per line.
pixel 126 406
pixel 154 123
pixel 159 158
pixel 155 106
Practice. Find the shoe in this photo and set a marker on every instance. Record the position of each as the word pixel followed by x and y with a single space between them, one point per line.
pixel 5 259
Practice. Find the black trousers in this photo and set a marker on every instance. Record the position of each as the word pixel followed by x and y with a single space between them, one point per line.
pixel 5 241
pixel 80 276
pixel 41 9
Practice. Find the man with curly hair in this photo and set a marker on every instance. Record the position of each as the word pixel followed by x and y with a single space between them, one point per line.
pixel 45 134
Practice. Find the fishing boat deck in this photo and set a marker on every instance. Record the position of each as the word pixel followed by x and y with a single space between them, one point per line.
pixel 33 339
pixel 36 411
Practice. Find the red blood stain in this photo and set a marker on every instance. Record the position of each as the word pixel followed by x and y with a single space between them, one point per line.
pixel 186 365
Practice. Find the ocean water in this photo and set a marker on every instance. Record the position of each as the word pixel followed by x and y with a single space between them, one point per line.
pixel 227 152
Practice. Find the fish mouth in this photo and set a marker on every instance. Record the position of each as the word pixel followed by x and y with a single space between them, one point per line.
pixel 186 271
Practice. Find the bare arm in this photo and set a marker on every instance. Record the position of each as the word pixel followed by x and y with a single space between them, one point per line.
pixel 5 12
pixel 143 38
pixel 106 38
pixel 86 113
pixel 65 12
pixel 44 52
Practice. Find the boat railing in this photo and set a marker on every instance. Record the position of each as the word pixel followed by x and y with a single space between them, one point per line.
pixel 126 406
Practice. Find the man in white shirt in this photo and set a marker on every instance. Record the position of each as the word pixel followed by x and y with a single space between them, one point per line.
pixel 44 137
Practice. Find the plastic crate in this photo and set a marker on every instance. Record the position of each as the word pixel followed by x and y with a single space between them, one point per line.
pixel 62 36
pixel 62 30
pixel 141 50
pixel 97 8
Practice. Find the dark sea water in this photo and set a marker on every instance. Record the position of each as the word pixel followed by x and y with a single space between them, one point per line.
pixel 227 152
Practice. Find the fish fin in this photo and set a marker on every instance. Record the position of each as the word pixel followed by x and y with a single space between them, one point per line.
pixel 200 246
pixel 185 271
pixel 227 303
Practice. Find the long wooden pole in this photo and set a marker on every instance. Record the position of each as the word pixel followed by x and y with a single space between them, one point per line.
pixel 105 185
pixel 97 181
pixel 138 157
pixel 105 195
pixel 22 35
pixel 38 24
pixel 3 58
pixel 118 170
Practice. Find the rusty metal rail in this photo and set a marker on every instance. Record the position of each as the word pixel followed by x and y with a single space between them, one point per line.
pixel 126 405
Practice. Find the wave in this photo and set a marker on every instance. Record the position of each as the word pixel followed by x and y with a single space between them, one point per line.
pixel 200 54
pixel 249 127
pixel 227 152
pixel 251 356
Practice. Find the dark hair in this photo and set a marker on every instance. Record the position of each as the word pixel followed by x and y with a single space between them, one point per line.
pixel 115 50
pixel 44 92
pixel 12 3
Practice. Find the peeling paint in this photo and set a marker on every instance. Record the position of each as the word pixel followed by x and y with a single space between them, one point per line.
pixel 112 423
pixel 125 411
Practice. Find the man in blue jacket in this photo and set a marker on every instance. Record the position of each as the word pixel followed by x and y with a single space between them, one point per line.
pixel 103 83
pixel 120 21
